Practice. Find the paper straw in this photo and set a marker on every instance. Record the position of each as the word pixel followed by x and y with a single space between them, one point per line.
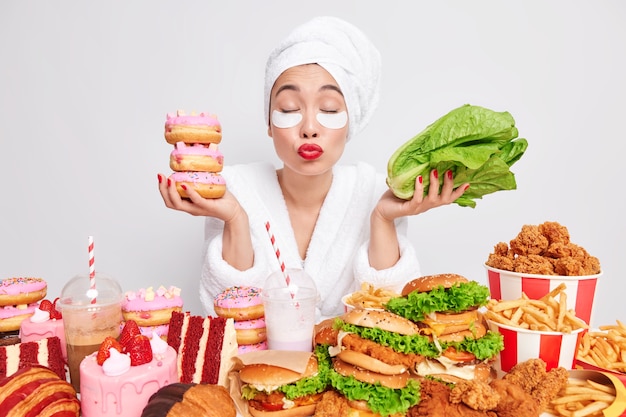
pixel 277 252
pixel 92 269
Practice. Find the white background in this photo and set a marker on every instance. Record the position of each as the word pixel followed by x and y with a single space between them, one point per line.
pixel 85 87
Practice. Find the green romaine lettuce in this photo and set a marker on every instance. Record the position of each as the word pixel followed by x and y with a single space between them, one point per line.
pixel 477 144
pixel 380 399
pixel 483 348
pixel 459 297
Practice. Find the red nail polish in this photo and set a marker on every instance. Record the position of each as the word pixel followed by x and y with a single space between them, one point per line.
pixel 159 177
pixel 466 187
pixel 435 173
pixel 169 182
pixel 420 179
pixel 183 186
pixel 449 174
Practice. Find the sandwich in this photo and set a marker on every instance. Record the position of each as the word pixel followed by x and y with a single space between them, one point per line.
pixel 445 307
pixel 370 367
pixel 273 391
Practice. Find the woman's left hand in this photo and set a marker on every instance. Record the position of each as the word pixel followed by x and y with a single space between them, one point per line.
pixel 390 207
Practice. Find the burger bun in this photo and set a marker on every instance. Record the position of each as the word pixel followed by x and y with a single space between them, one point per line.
pixel 302 411
pixel 429 282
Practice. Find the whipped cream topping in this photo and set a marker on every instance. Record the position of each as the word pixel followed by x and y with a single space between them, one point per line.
pixel 116 364
pixel 158 345
pixel 40 316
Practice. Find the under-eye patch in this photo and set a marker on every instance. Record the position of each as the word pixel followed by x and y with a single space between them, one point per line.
pixel 285 120
pixel 333 120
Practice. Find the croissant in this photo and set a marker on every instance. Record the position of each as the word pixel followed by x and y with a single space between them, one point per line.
pixel 37 391
pixel 183 400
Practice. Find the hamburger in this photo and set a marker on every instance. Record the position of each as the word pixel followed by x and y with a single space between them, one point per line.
pixel 273 391
pixel 369 366
pixel 445 307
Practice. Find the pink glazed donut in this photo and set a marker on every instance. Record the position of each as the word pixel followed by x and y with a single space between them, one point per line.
pixel 250 332
pixel 192 128
pixel 15 291
pixel 12 316
pixel 196 157
pixel 207 184
pixel 252 348
pixel 239 303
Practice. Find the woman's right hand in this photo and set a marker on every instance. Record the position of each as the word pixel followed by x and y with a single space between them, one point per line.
pixel 224 208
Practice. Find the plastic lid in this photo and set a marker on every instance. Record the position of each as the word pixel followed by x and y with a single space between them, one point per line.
pixel 78 291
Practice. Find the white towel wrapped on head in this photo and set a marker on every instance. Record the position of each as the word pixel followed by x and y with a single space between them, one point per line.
pixel 342 50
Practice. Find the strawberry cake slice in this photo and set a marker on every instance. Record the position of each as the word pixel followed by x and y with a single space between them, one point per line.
pixel 120 378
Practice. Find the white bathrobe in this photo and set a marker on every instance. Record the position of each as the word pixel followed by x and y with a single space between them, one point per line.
pixel 337 257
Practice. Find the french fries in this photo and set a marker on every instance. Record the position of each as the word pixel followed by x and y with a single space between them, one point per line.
pixel 606 348
pixel 549 313
pixel 582 398
pixel 370 297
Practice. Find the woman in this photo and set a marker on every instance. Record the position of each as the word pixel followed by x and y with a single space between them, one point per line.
pixel 339 223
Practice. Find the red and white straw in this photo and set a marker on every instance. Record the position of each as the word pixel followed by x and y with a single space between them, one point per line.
pixel 277 252
pixel 92 268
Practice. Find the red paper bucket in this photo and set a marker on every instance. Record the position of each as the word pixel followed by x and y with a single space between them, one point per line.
pixel 580 290
pixel 554 348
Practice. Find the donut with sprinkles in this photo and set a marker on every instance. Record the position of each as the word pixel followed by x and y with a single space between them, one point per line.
pixel 22 290
pixel 239 303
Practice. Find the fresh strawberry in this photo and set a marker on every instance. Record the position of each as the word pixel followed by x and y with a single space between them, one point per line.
pixel 139 350
pixel 46 305
pixel 103 353
pixel 55 313
pixel 130 330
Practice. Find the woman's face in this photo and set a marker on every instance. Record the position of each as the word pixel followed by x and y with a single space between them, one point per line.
pixel 308 119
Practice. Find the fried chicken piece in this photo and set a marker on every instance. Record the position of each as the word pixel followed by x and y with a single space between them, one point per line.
pixel 514 401
pixel 569 267
pixel 554 232
pixel 435 402
pixel 475 394
pixel 529 241
pixel 500 262
pixel 591 265
pixel 382 353
pixel 332 404
pixel 502 249
pixel 533 264
pixel 533 378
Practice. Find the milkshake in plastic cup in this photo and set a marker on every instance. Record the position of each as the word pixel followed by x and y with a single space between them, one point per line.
pixel 87 321
pixel 290 310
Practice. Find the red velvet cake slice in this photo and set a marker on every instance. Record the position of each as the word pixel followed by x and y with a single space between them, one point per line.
pixel 206 347
pixel 45 352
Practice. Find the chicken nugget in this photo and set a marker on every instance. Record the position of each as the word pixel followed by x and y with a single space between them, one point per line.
pixel 533 264
pixel 500 262
pixel 569 267
pixel 554 232
pixel 529 241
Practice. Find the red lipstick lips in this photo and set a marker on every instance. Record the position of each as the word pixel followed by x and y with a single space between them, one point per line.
pixel 310 151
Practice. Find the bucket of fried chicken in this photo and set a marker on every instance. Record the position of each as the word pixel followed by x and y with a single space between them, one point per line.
pixel 540 259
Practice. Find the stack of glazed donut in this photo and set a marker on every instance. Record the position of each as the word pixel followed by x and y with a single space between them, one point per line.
pixel 152 309
pixel 19 297
pixel 244 305
pixel 196 159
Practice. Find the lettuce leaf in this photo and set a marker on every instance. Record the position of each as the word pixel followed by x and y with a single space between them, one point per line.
pixel 483 348
pixel 477 144
pixel 306 386
pixel 312 384
pixel 380 399
pixel 461 296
